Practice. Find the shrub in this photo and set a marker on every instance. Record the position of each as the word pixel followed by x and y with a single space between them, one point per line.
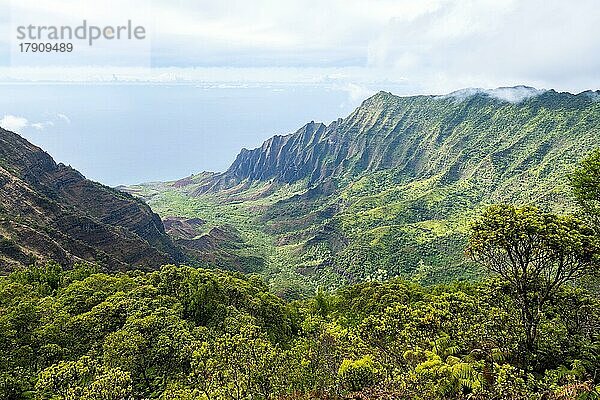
pixel 359 374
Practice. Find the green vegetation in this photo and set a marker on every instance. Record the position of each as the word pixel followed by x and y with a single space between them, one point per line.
pixel 185 333
pixel 281 260
pixel 336 316
pixel 532 332
pixel 536 254
pixel 391 189
pixel 586 186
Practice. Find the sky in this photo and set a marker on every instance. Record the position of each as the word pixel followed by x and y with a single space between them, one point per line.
pixel 278 63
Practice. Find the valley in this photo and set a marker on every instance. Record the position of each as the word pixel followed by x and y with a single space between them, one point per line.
pixel 427 247
pixel 387 191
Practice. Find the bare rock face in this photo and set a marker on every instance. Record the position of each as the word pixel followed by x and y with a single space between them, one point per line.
pixel 183 228
pixel 220 246
pixel 51 211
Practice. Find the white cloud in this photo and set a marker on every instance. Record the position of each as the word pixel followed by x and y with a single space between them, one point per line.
pixel 357 92
pixel 428 46
pixel 515 94
pixel 495 43
pixel 13 123
pixel 52 121
pixel 18 124
pixel 63 118
pixel 40 126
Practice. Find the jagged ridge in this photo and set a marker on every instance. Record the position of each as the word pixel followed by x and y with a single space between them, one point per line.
pixel 389 190
pixel 406 133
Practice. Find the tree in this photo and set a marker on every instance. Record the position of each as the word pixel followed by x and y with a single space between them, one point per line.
pixel 585 182
pixel 83 379
pixel 536 252
pixel 152 348
pixel 239 365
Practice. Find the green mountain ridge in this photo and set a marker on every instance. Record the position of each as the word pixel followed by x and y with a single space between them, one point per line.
pixel 389 189
pixel 49 211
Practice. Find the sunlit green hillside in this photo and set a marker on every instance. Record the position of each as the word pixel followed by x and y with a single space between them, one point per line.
pixel 390 189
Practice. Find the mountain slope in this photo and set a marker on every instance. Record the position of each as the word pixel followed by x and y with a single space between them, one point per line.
pixel 50 211
pixel 390 189
pixel 421 136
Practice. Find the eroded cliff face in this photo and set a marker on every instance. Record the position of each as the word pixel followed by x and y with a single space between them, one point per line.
pixel 390 189
pixel 457 135
pixel 50 211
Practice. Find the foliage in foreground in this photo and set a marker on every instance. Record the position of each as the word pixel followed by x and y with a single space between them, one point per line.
pixel 185 333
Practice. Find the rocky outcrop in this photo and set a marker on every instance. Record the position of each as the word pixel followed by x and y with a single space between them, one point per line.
pixel 183 228
pixel 221 247
pixel 51 211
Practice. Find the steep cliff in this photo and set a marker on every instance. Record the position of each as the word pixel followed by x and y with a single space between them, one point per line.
pixel 425 135
pixel 389 190
pixel 50 211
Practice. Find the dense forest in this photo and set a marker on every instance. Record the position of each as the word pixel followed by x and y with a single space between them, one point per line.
pixel 531 330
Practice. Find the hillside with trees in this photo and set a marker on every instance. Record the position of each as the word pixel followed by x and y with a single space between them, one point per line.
pixel 529 331
pixel 388 191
